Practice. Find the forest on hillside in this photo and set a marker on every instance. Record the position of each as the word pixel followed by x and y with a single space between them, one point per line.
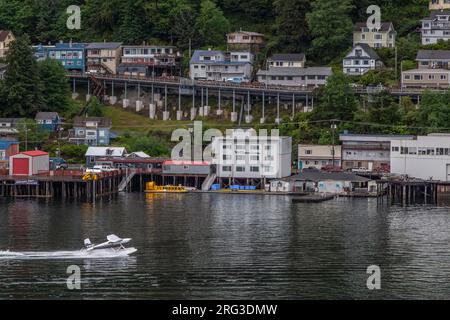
pixel 321 28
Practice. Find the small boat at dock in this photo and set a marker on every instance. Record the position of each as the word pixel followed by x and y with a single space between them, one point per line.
pixel 151 187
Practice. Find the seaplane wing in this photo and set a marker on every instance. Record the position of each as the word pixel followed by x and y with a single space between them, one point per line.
pixel 113 238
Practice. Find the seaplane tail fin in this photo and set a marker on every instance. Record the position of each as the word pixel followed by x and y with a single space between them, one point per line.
pixel 113 238
pixel 87 242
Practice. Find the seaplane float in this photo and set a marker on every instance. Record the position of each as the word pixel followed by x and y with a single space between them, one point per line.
pixel 114 247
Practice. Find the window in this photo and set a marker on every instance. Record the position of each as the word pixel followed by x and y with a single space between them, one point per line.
pixel 395 149
pixel 308 152
pixel 226 168
pixel 240 169
pixel 417 77
pixel 254 169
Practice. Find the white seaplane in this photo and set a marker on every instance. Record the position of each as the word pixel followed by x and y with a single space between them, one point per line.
pixel 114 244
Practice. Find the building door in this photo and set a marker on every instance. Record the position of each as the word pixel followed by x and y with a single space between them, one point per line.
pixel 21 166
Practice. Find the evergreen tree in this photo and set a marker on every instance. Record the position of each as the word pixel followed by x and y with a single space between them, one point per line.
pixel 331 28
pixel 291 26
pixel 336 100
pixel 22 89
pixel 212 24
pixel 55 86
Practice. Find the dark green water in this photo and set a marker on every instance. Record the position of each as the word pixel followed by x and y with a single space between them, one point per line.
pixel 229 246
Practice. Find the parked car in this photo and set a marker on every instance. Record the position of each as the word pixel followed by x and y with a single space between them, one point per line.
pixel 236 80
pixel 58 164
pixel 361 170
pixel 100 169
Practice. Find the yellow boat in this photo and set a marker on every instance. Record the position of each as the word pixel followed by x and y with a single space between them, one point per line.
pixel 151 187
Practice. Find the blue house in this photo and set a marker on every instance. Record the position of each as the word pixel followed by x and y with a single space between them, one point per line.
pixel 8 148
pixel 41 51
pixel 48 121
pixel 91 131
pixel 71 55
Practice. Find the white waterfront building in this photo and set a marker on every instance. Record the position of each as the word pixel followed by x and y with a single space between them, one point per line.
pixel 426 157
pixel 242 154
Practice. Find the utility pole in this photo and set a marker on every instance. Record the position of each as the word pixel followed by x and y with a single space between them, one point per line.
pixel 333 128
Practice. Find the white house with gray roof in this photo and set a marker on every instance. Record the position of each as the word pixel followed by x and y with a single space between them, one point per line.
pixel 361 60
pixel 213 65
pixel 281 76
pixel 436 27
pixel 433 59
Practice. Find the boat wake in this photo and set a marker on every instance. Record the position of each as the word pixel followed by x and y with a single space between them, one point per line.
pixel 80 254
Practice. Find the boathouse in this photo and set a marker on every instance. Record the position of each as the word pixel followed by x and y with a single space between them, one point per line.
pixel 325 182
pixel 29 163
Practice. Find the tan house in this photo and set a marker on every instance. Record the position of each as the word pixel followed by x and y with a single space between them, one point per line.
pixel 6 37
pixel 426 78
pixel 318 156
pixel 103 57
pixel 439 4
pixel 375 38
pixel 287 60
pixel 245 40
pixel 433 59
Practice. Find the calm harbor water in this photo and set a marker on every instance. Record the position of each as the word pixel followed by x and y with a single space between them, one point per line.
pixel 205 246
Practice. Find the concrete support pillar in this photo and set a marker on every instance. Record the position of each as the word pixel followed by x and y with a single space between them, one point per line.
pixel 139 105
pixel 293 107
pixel 278 119
pixel 263 115
pixel 126 103
pixel 219 111
pixel 74 95
pixel 166 115
pixel 112 100
pixel 88 97
pixel 193 113
pixel 152 111
pixel 234 115
pixel 206 110
pixel 179 115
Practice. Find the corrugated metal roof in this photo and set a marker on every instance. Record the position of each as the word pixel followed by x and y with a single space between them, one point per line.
pixel 106 152
pixel 34 153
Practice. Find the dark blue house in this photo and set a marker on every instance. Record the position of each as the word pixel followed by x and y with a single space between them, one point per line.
pixel 71 55
pixel 48 121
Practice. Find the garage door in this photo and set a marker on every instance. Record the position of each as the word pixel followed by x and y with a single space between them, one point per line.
pixel 20 167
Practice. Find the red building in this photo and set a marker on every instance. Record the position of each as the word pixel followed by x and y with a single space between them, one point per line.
pixel 29 163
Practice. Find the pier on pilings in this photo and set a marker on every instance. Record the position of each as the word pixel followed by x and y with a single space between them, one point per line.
pixel 64 185
pixel 413 192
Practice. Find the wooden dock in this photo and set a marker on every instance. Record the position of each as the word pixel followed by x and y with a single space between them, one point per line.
pixel 313 198
pixel 63 185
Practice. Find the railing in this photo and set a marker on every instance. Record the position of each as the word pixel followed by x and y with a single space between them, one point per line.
pixel 174 80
